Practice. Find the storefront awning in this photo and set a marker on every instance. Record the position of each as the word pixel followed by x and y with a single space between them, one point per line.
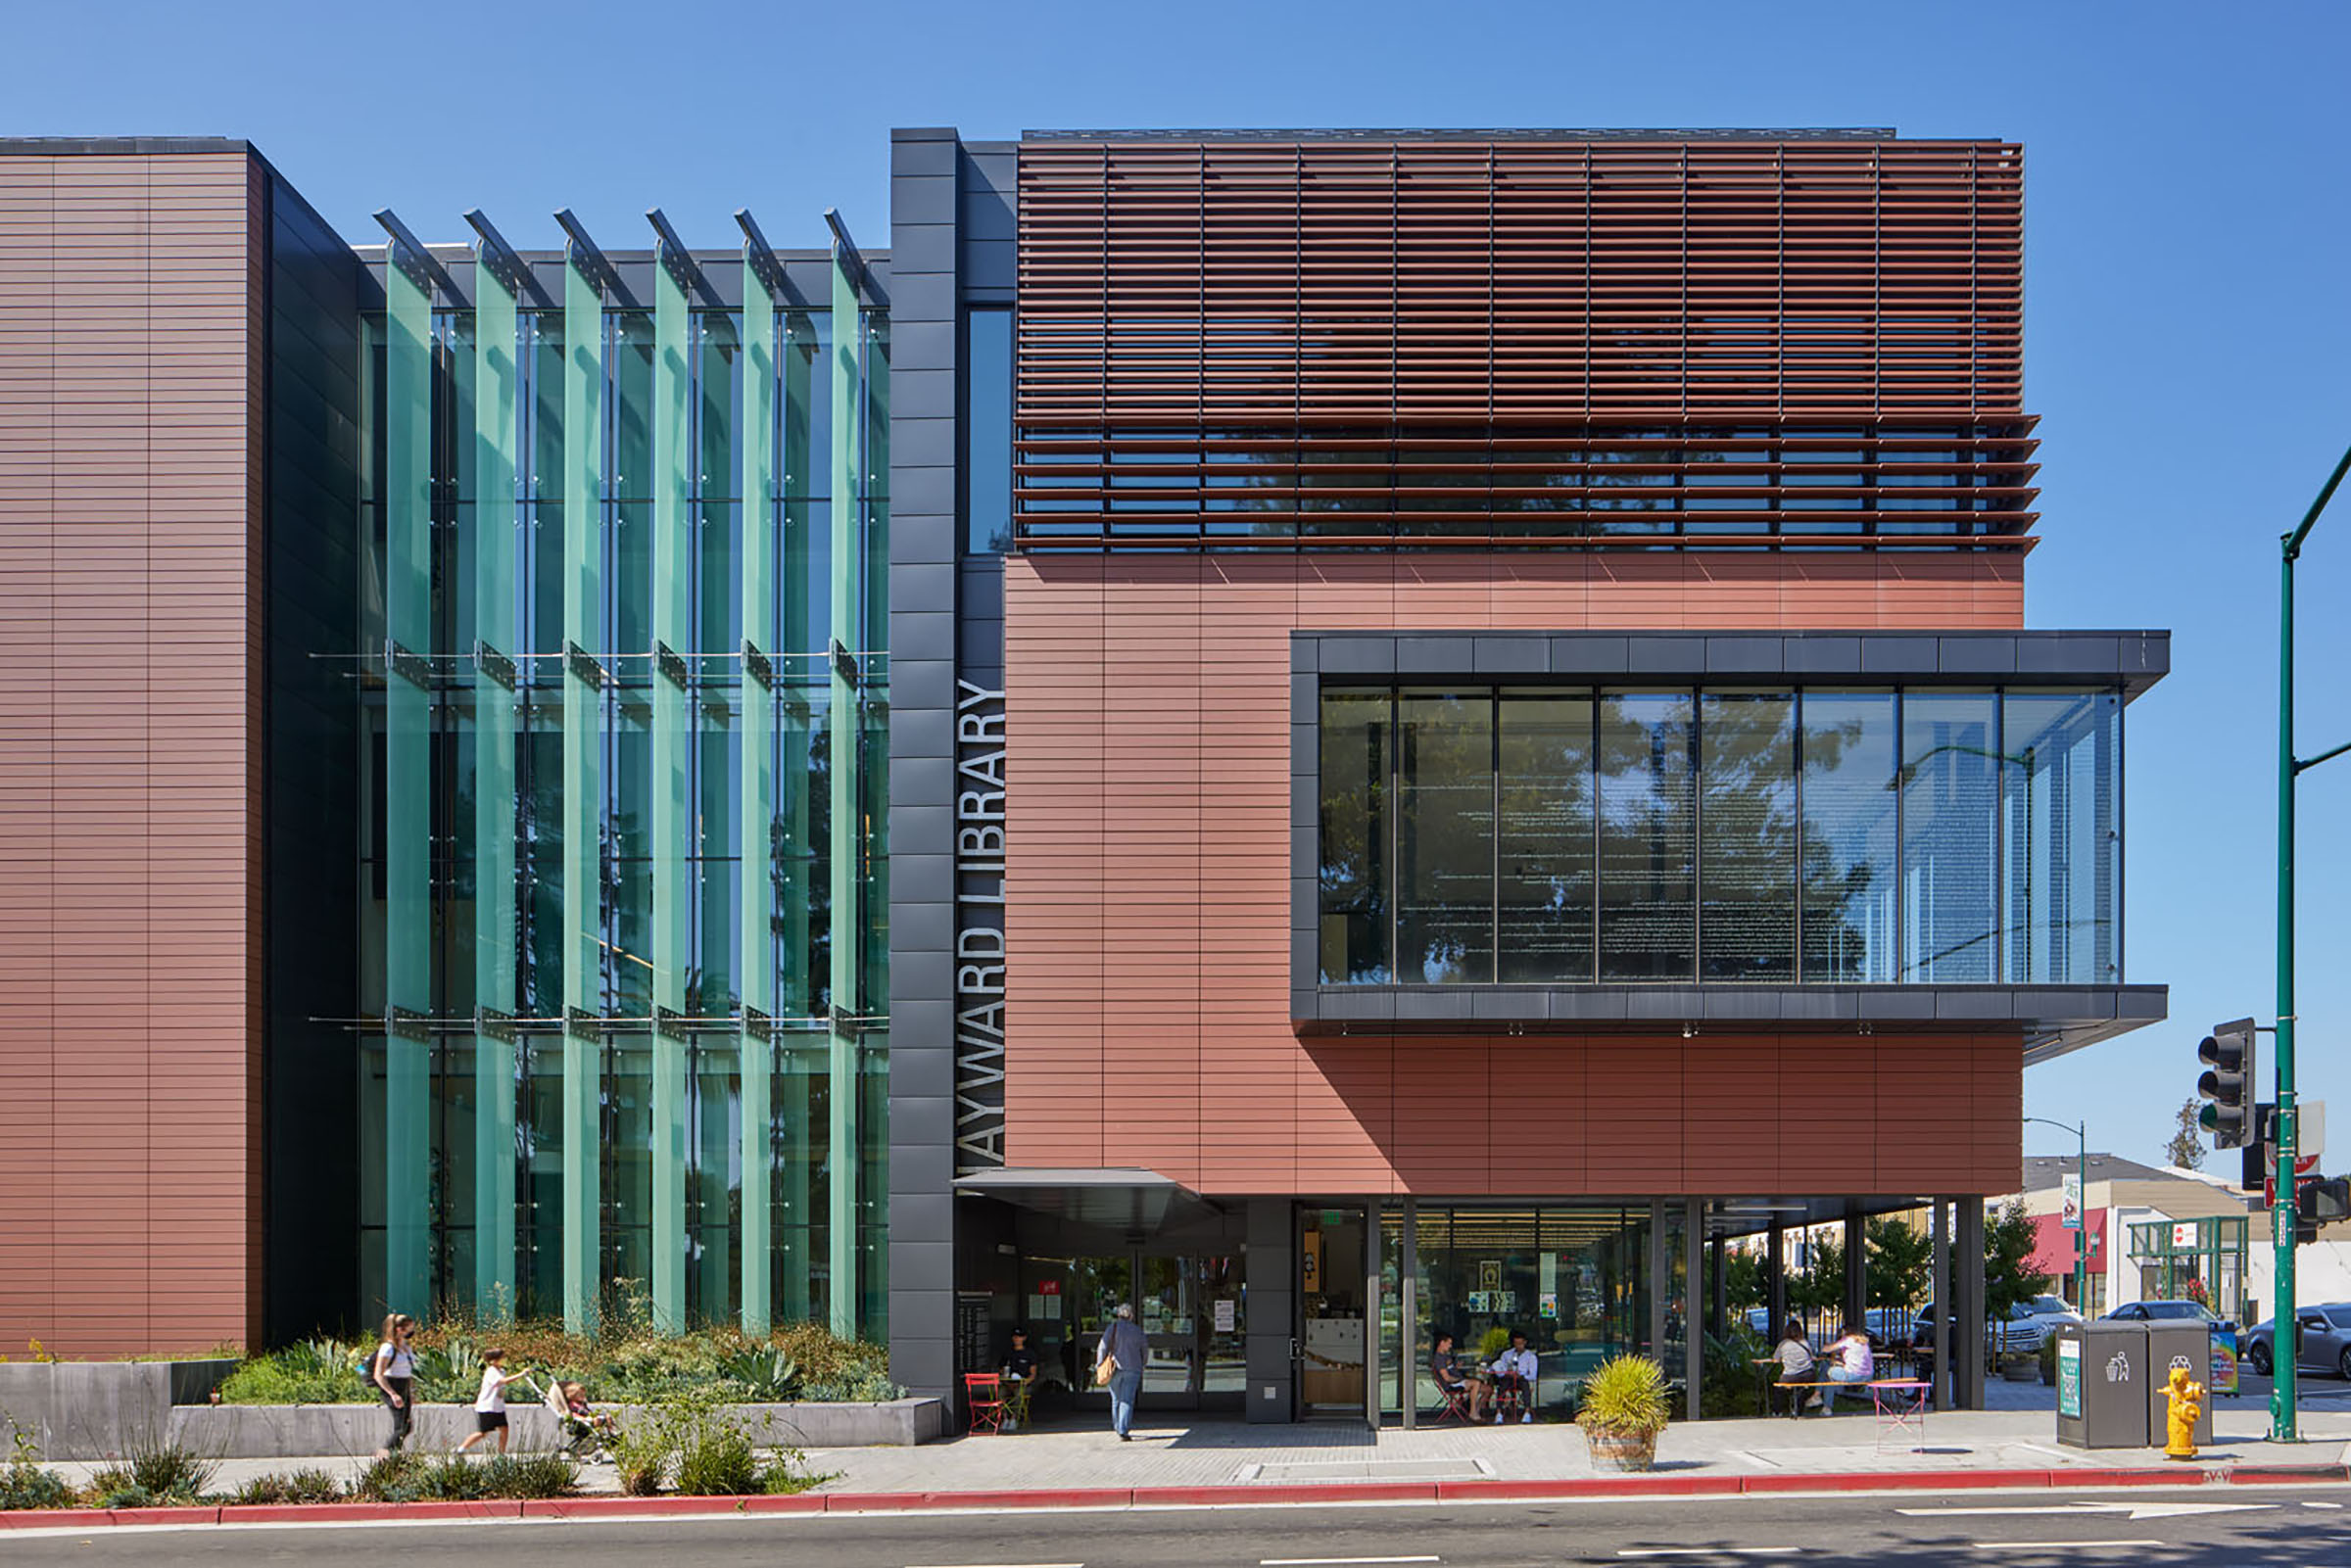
pixel 1125 1198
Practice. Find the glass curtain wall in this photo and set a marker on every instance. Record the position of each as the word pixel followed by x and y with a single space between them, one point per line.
pixel 1758 837
pixel 481 1138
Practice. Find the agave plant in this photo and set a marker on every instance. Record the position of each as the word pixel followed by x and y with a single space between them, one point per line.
pixel 767 1375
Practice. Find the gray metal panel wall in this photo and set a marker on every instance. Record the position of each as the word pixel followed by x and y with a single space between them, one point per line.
pixel 1273 1310
pixel 925 167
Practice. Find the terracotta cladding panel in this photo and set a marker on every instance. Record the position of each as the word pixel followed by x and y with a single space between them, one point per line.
pixel 1152 697
pixel 128 809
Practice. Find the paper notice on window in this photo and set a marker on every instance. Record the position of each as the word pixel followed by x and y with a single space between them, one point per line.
pixel 1224 1314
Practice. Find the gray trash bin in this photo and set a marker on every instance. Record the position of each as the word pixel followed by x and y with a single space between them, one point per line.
pixel 2177 1342
pixel 2102 1385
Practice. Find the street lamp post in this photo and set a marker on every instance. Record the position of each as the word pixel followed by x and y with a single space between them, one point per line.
pixel 2282 1186
pixel 2081 1218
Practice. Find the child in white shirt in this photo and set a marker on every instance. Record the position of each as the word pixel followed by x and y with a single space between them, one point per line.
pixel 490 1404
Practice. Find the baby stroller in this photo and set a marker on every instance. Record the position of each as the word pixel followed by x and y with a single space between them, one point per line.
pixel 585 1431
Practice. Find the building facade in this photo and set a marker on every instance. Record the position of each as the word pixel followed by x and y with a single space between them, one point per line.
pixel 1336 735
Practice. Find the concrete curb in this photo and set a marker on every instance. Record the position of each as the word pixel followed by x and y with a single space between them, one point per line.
pixel 1651 1485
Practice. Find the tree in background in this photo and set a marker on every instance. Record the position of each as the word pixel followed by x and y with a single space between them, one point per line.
pixel 2187 1148
pixel 1742 1282
pixel 2009 1278
pixel 1901 1263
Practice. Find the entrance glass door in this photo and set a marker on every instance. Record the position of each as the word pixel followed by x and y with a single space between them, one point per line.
pixel 1192 1309
pixel 1334 1320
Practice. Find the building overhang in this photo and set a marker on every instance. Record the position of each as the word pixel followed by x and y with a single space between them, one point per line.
pixel 2050 1019
pixel 1129 1199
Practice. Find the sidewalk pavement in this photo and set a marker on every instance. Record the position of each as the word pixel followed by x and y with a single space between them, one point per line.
pixel 1048 1464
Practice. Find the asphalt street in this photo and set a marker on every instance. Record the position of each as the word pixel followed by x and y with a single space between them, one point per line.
pixel 2307 1527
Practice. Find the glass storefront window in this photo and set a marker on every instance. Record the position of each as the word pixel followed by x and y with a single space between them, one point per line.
pixel 1555 835
pixel 1648 836
pixel 1846 877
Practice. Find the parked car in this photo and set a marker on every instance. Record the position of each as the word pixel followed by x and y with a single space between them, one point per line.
pixel 2052 1309
pixel 2324 1341
pixel 2164 1313
pixel 2020 1334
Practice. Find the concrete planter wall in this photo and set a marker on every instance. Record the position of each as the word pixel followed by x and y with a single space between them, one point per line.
pixel 301 1431
pixel 93 1409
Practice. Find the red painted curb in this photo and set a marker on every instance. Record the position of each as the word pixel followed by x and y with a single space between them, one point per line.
pixel 1893 1481
pixel 161 1516
pixel 627 1507
pixel 2253 1475
pixel 49 1518
pixel 2181 1477
pixel 1330 1491
pixel 332 1513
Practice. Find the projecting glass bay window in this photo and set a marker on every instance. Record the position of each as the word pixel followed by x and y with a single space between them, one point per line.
pixel 1529 835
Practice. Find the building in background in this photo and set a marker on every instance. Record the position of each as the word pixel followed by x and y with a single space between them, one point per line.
pixel 1333 734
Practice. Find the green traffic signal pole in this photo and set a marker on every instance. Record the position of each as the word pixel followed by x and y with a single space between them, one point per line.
pixel 2284 1209
pixel 2080 1216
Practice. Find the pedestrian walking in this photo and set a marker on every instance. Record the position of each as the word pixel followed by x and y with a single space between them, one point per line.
pixel 393 1370
pixel 490 1404
pixel 1119 1367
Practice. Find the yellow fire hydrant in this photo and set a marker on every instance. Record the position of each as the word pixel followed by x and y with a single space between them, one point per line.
pixel 2186 1396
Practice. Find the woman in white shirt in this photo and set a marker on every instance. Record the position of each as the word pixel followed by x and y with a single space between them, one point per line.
pixel 1855 1363
pixel 393 1369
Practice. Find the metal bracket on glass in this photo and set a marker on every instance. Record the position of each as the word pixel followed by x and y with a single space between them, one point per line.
pixel 407 253
pixel 759 1023
pixel 504 265
pixel 677 261
pixel 755 664
pixel 764 265
pixel 407 1023
pixel 584 1024
pixel 845 1022
pixel 666 659
pixel 795 709
pixel 583 256
pixel 415 668
pixel 669 1024
pixel 844 663
pixel 493 665
pixel 496 1025
pixel 584 664
pixel 852 262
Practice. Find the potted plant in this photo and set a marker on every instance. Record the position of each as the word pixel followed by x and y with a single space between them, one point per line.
pixel 1623 1411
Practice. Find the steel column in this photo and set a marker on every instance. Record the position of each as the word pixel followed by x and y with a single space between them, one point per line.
pixel 1693 1268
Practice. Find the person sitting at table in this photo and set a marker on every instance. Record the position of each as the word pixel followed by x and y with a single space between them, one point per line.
pixel 1854 1364
pixel 1515 1376
pixel 1445 1368
pixel 1794 1357
pixel 1019 1377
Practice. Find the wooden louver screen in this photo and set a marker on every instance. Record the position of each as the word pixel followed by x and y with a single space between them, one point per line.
pixel 1351 342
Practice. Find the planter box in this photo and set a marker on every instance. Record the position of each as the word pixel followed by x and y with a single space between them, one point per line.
pixel 94 1410
pixel 310 1431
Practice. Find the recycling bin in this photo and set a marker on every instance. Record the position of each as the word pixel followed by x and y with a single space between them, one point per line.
pixel 2177 1342
pixel 2102 1382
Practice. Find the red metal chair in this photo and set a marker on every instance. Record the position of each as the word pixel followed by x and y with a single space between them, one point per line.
pixel 1456 1405
pixel 983 1392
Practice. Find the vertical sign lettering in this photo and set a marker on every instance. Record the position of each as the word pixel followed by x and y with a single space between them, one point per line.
pixel 978 928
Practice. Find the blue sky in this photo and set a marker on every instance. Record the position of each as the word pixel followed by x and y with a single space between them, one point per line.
pixel 2186 330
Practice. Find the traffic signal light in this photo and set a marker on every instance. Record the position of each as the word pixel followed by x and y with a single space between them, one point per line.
pixel 2228 1083
pixel 2318 1201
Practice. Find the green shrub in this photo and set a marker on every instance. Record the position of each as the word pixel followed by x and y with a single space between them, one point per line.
pixel 450 1478
pixel 23 1484
pixel 530 1475
pixel 302 1485
pixel 313 1372
pixel 641 1452
pixel 394 1478
pixel 116 1488
pixel 170 1470
pixel 1625 1393
pixel 718 1461
pixel 1731 1386
pixel 1493 1341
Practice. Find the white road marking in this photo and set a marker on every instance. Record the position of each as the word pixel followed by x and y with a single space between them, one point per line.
pixel 1708 1551
pixel 2134 1512
pixel 998 1565
pixel 2322 1505
pixel 1330 1562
